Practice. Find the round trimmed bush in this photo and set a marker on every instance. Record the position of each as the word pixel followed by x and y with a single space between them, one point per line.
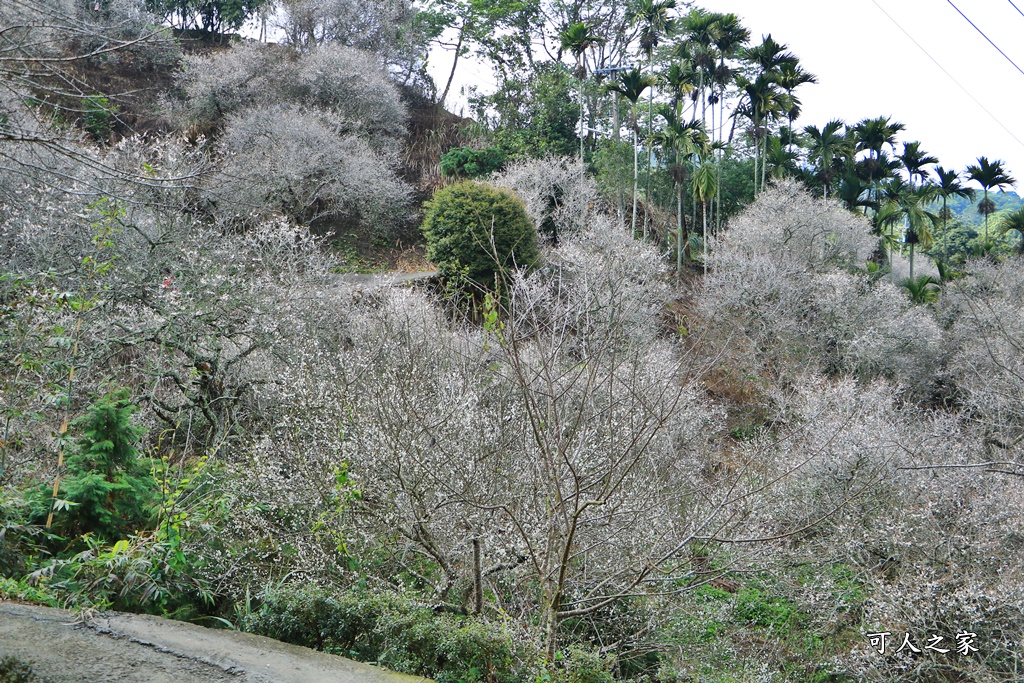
pixel 478 231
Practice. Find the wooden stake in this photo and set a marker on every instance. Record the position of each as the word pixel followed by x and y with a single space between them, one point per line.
pixel 64 426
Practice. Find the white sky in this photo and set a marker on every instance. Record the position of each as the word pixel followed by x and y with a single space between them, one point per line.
pixel 867 67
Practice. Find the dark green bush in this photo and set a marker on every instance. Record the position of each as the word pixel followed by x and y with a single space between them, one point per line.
pixel 389 630
pixel 478 232
pixel 466 162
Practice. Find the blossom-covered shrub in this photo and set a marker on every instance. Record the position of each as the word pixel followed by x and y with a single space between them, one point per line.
pixel 560 197
pixel 784 293
pixel 301 163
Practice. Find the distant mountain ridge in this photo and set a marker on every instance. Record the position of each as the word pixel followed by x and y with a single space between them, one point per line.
pixel 967 211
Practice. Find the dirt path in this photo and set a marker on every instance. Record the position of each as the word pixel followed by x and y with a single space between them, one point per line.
pixel 133 648
pixel 384 279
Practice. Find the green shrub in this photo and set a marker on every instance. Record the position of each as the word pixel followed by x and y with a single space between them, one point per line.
pixel 466 162
pixel 139 574
pixel 98 118
pixel 388 630
pixel 478 232
pixel 22 591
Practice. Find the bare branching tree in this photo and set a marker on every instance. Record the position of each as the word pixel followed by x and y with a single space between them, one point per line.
pixel 43 46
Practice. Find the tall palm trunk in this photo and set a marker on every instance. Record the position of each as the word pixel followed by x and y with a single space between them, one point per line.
pixel 636 174
pixel 986 216
pixel 764 161
pixel 581 121
pixel 718 173
pixel 717 167
pixel 615 136
pixel 682 238
pixel 704 204
pixel 650 123
pixel 757 151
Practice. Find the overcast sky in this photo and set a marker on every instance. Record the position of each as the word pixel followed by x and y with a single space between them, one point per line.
pixel 867 67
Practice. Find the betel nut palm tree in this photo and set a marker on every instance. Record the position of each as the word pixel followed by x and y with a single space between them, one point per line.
pixel 872 135
pixel 730 37
pixel 905 203
pixel 761 100
pixel 1014 222
pixel 631 85
pixel 683 140
pixel 790 77
pixel 578 38
pixel 698 32
pixel 948 185
pixel 990 175
pixel 765 98
pixel 914 160
pixel 652 17
pixel 705 186
pixel 824 146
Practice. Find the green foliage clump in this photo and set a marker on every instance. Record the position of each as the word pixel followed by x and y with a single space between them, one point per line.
pixel 584 665
pixel 923 289
pixel 466 162
pixel 388 630
pixel 952 241
pixel 22 591
pixel 147 571
pixel 478 232
pixel 737 185
pixel 613 163
pixel 535 116
pixel 98 118
pixel 14 670
pixel 214 16
pixel 757 608
pixel 109 490
pixel 19 540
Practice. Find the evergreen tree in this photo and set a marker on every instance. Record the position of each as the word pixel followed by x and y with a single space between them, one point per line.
pixel 109 490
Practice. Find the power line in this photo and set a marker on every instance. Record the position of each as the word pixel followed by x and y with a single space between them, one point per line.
pixel 1016 8
pixel 959 85
pixel 986 37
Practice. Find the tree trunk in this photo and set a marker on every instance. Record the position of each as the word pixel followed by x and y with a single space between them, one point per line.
pixel 681 236
pixel 551 630
pixel 650 123
pixel 986 217
pixel 582 129
pixel 764 161
pixel 616 123
pixel 455 63
pixel 757 149
pixel 478 582
pixel 704 203
pixel 615 118
pixel 636 176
